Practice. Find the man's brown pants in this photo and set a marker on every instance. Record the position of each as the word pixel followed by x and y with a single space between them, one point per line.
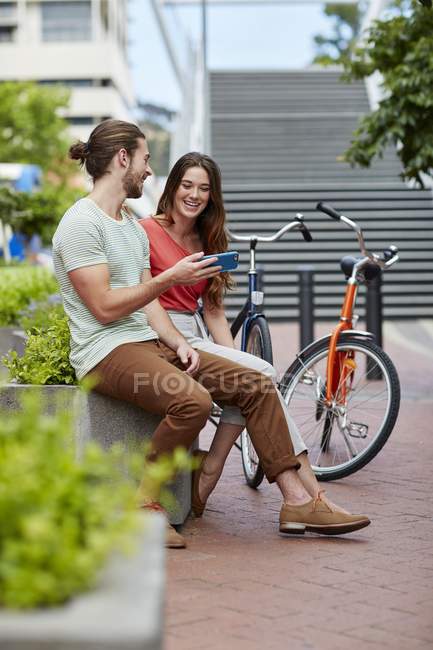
pixel 151 376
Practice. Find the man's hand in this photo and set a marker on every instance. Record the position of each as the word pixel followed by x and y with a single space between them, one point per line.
pixel 188 355
pixel 190 270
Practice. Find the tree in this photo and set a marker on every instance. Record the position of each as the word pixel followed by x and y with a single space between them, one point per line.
pixel 334 49
pixel 37 213
pixel 400 49
pixel 32 131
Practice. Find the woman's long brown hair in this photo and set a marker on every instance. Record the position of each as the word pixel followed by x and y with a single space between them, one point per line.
pixel 210 224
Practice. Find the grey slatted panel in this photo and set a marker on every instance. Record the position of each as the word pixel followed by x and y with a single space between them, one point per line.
pixel 277 137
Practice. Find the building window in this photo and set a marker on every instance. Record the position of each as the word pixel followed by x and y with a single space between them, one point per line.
pixel 8 9
pixel 81 121
pixel 73 83
pixel 66 21
pixel 7 33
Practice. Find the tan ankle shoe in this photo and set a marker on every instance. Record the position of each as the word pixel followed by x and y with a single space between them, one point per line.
pixel 197 505
pixel 316 516
pixel 173 539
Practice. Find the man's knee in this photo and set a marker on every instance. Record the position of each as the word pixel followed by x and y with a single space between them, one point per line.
pixel 256 383
pixel 196 403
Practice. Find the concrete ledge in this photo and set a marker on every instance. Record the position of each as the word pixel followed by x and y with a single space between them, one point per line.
pixel 9 340
pixel 107 421
pixel 124 611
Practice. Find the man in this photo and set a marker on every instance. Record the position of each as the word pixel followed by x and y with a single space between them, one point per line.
pixel 101 259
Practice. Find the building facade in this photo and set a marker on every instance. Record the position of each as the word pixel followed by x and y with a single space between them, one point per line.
pixel 81 44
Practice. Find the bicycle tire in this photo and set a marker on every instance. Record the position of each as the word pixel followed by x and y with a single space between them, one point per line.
pixel 306 371
pixel 258 343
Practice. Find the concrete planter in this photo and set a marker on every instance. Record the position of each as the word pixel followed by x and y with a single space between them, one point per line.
pixel 19 341
pixel 123 612
pixel 9 340
pixel 107 421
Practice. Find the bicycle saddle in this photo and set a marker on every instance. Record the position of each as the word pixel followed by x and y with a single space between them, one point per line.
pixel 369 272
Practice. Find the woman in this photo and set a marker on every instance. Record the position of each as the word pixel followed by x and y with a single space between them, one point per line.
pixel 191 218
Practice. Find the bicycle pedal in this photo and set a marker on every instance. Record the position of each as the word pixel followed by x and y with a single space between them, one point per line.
pixel 358 430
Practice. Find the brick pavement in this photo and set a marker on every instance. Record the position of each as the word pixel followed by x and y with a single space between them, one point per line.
pixel 240 585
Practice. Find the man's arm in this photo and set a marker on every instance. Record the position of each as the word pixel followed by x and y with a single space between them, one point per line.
pixel 92 283
pixel 161 322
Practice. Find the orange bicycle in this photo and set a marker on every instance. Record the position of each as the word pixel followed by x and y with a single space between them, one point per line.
pixel 343 390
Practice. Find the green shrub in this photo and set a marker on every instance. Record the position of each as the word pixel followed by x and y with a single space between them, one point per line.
pixel 62 518
pixel 46 355
pixel 39 212
pixel 19 286
pixel 38 316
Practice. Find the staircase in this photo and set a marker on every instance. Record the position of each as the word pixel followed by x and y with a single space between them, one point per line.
pixel 277 137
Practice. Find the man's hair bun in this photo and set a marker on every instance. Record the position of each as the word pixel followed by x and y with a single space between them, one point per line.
pixel 79 151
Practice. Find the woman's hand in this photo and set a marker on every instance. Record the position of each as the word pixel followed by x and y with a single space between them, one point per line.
pixel 191 270
pixel 188 355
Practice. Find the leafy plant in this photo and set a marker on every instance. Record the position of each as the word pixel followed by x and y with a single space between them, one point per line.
pixel 19 286
pixel 46 356
pixel 37 213
pixel 400 49
pixel 37 316
pixel 61 518
pixel 32 129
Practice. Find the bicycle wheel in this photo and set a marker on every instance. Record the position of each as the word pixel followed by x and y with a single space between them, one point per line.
pixel 258 343
pixel 344 436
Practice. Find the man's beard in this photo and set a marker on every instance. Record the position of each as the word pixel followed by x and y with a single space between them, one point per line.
pixel 133 185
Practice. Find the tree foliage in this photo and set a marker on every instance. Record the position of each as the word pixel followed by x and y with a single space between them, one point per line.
pixel 346 25
pixel 400 48
pixel 37 212
pixel 32 130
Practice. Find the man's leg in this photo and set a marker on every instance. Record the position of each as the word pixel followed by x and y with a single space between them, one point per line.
pixel 256 396
pixel 140 373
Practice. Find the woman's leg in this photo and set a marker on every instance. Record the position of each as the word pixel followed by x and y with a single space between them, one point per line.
pixel 225 437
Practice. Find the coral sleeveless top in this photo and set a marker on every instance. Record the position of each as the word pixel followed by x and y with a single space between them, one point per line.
pixel 164 253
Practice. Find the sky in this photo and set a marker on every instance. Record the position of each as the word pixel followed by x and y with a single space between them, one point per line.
pixel 245 37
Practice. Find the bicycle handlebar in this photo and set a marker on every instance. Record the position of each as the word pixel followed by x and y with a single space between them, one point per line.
pixel 296 224
pixel 384 260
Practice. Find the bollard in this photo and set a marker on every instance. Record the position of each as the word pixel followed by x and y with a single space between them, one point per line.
pixel 373 316
pixel 306 305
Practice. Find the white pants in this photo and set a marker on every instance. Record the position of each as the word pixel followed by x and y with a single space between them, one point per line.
pixel 193 329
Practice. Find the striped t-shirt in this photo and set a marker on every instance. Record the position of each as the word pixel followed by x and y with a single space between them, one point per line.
pixel 84 237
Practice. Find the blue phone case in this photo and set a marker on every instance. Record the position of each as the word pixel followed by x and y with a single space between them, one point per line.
pixel 228 261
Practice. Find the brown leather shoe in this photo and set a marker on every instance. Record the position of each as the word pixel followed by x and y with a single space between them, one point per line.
pixel 197 505
pixel 316 516
pixel 173 539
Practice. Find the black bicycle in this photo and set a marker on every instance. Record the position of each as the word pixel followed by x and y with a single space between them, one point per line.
pixel 256 337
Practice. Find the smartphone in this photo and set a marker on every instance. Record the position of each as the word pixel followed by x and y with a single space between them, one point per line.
pixel 228 261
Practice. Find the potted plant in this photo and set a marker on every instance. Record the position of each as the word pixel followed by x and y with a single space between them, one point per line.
pixel 64 523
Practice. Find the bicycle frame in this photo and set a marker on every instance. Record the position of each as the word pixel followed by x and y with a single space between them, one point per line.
pixel 250 311
pixel 335 376
pixel 339 366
